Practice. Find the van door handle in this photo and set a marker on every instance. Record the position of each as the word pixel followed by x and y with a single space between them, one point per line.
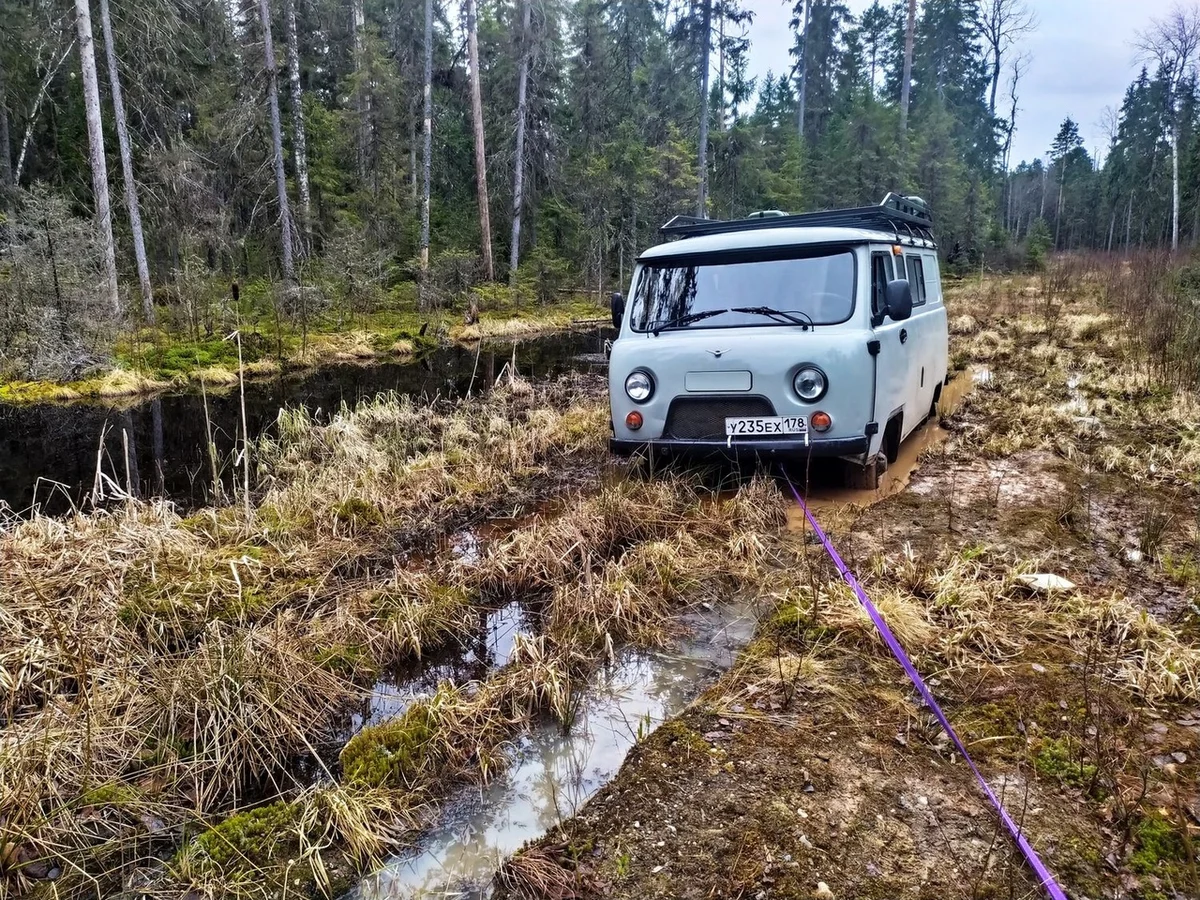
pixel 903 335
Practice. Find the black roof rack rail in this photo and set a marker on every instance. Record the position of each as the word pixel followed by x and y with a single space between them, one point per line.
pixel 896 213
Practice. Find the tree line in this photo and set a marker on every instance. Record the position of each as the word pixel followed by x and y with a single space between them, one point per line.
pixel 1142 189
pixel 339 156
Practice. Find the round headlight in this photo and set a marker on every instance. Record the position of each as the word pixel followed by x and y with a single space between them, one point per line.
pixel 810 384
pixel 639 386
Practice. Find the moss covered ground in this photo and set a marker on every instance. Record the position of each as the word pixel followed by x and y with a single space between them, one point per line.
pixel 148 360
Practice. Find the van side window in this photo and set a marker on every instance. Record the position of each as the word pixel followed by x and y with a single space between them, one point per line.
pixel 881 274
pixel 916 280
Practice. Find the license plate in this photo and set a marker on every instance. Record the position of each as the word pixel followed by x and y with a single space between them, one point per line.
pixel 765 426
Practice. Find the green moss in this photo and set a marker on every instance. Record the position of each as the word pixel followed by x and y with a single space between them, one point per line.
pixel 358 513
pixel 109 794
pixel 1159 846
pixel 1061 758
pixel 391 754
pixel 253 837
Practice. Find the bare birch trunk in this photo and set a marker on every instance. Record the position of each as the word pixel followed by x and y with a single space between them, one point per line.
pixel 1175 185
pixel 514 253
pixel 131 194
pixel 91 100
pixel 299 139
pixel 705 36
pixel 481 185
pixel 910 36
pixel 427 138
pixel 285 214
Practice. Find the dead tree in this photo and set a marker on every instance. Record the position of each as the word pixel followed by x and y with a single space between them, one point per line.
pixel 1001 24
pixel 131 193
pixel 299 139
pixel 285 215
pixel 514 253
pixel 96 159
pixel 481 185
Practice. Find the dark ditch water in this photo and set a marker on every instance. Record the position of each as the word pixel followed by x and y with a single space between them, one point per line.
pixel 48 451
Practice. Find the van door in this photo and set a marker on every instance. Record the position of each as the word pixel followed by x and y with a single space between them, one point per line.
pixel 892 386
pixel 920 377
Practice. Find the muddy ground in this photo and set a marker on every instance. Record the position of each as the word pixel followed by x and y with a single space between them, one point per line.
pixel 187 706
pixel 812 769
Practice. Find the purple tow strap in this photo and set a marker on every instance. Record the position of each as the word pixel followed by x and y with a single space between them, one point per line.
pixel 1035 862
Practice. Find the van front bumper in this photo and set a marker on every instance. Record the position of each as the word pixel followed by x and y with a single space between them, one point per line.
pixel 791 449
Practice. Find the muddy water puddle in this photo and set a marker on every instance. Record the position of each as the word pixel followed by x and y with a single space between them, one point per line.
pixel 553 771
pixel 823 489
pixel 486 650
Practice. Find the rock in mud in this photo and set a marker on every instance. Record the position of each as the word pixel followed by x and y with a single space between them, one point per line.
pixel 823 892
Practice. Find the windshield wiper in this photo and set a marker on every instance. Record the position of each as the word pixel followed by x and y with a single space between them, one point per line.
pixel 787 315
pixel 687 319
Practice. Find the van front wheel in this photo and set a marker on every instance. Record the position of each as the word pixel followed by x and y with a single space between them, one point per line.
pixel 865 476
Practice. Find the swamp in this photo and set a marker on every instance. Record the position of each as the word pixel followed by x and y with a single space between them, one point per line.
pixel 446 646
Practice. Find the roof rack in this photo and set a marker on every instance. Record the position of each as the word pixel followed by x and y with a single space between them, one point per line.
pixel 903 216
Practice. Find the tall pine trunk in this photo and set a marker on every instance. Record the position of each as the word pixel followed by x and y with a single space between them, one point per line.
pixel 514 253
pixel 705 41
pixel 285 213
pixel 299 139
pixel 910 36
pixel 427 138
pixel 131 194
pixel 481 186
pixel 99 166
pixel 802 92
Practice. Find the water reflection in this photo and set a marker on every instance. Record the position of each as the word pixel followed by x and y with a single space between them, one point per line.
pixel 166 436
pixel 553 773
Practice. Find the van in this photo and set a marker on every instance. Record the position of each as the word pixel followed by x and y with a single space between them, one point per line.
pixel 783 336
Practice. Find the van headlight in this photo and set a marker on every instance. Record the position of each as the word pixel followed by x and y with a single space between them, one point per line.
pixel 810 384
pixel 639 386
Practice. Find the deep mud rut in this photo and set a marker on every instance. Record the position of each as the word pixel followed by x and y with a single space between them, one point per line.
pixel 811 769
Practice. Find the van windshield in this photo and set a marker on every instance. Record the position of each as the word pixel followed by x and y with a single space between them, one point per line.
pixel 819 288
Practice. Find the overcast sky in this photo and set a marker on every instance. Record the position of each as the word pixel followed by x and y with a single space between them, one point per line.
pixel 1082 61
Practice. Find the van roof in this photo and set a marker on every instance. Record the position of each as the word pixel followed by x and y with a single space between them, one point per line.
pixel 770 237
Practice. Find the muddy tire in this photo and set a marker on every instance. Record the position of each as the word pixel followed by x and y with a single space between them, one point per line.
pixel 860 477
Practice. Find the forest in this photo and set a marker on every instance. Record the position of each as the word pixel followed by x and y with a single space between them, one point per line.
pixel 343 160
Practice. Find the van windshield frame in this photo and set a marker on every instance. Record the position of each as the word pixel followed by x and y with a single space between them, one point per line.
pixel 754 285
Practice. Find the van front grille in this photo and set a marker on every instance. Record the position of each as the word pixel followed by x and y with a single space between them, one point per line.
pixel 703 418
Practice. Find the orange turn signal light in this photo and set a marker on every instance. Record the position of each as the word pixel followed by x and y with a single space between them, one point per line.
pixel 821 421
pixel 897 250
pixel 633 421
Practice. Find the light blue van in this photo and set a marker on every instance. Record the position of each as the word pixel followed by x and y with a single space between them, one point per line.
pixel 821 334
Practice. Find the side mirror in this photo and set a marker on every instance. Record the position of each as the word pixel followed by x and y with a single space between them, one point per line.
pixel 618 309
pixel 899 300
